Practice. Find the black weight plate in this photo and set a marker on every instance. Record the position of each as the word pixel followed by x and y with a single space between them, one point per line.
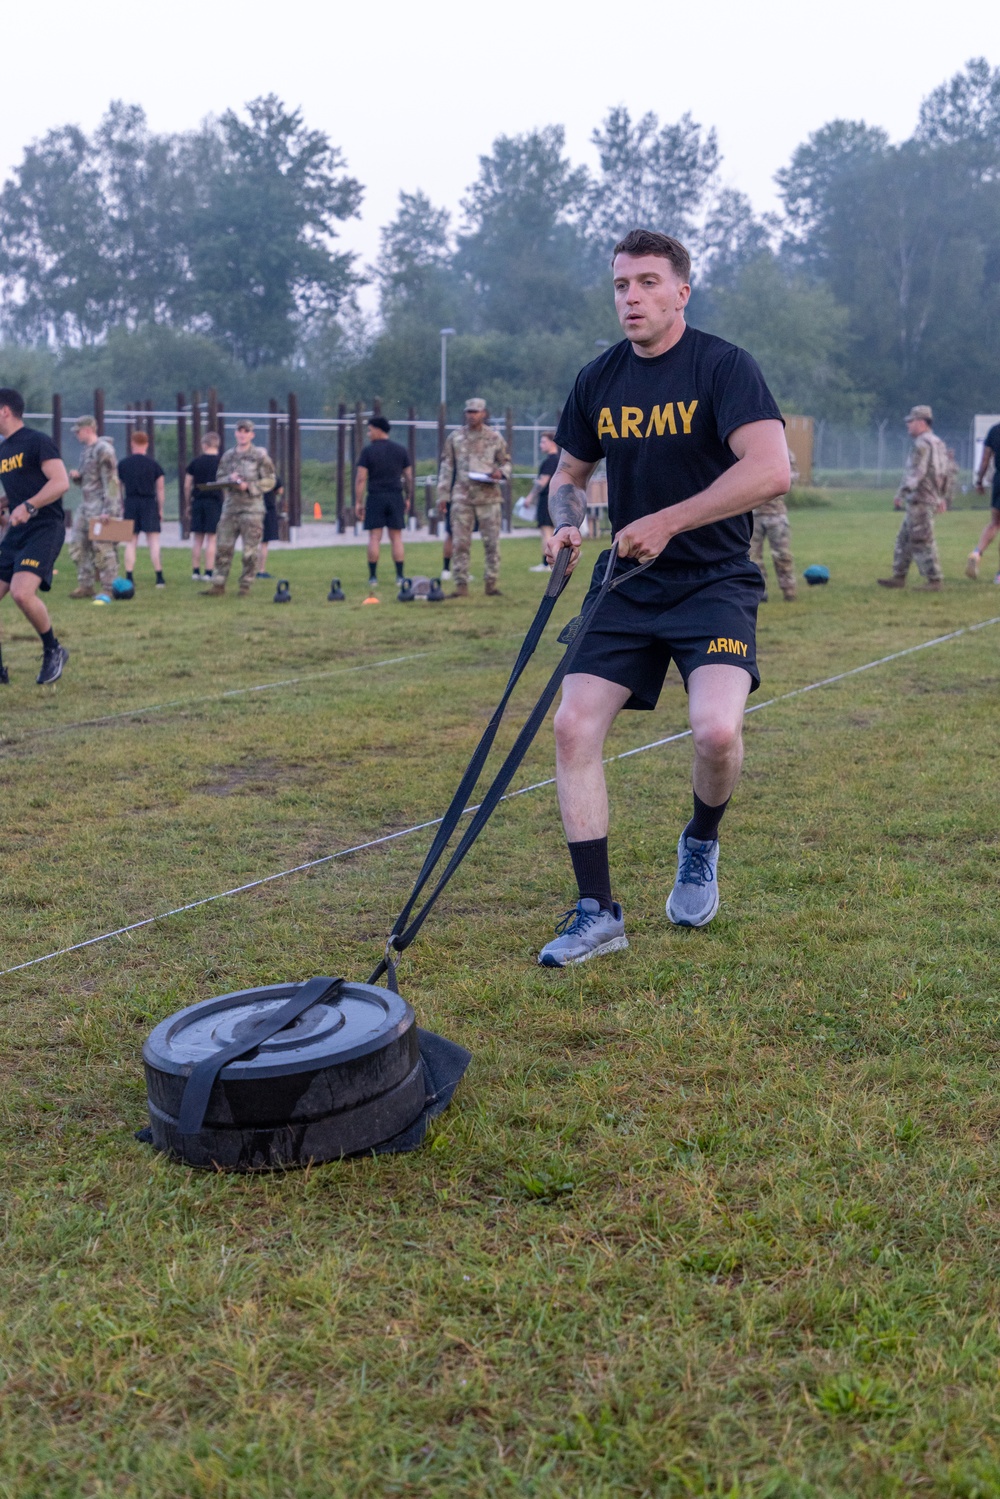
pixel 335 1056
pixel 348 1132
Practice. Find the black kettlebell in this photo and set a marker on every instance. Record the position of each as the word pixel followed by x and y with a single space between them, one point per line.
pixel 283 594
pixel 336 592
pixel 406 594
pixel 436 594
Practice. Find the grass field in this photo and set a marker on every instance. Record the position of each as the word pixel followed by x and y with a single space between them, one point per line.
pixel 717 1216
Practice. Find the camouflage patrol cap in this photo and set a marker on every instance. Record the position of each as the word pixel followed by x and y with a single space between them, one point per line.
pixel 475 403
pixel 244 424
pixel 919 414
pixel 85 421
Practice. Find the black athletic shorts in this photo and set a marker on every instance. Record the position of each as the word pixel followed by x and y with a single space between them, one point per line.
pixel 31 549
pixel 696 616
pixel 205 512
pixel 272 530
pixel 543 518
pixel 144 514
pixel 386 509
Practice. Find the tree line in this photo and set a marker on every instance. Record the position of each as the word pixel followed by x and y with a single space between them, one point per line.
pixel 151 263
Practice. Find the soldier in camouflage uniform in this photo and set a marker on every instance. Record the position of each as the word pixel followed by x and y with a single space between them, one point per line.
pixel 101 499
pixel 771 520
pixel 922 492
pixel 476 448
pixel 248 474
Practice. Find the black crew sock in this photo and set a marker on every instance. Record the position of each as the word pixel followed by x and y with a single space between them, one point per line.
pixel 372 572
pixel 447 563
pixel 399 571
pixel 49 641
pixel 159 577
pixel 704 825
pixel 130 577
pixel 593 874
pixel 208 572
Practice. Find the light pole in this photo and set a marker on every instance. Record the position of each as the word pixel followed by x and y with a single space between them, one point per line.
pixel 446 333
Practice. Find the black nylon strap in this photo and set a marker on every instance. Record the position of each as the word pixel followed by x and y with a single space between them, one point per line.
pixel 201 1079
pixel 402 935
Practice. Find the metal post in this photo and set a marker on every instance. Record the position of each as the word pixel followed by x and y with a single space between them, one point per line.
pixel 355 450
pixel 195 423
pixel 411 447
pixel 212 419
pixel 357 443
pixel 446 333
pixel 272 429
pixel 508 499
pixel 183 518
pixel 442 425
pixel 128 426
pixel 221 425
pixel 293 479
pixel 150 429
pixel 99 411
pixel 341 460
pixel 57 422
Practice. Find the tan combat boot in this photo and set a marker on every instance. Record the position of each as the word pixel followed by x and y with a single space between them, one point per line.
pixel 83 592
pixel 893 582
pixel 492 591
pixel 215 592
pixel 460 591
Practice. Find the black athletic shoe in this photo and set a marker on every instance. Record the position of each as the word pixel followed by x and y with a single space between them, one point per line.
pixel 4 678
pixel 52 665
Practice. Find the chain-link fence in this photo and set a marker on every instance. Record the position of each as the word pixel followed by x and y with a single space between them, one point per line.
pixel 874 457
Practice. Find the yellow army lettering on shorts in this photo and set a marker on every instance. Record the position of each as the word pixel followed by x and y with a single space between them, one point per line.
pixel 29 562
pixel 724 645
pixel 633 418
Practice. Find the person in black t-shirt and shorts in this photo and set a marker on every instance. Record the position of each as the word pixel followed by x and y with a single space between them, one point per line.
pixel 543 520
pixel 205 505
pixel 384 469
pixel 272 524
pixel 693 440
pixel 991 453
pixel 144 484
pixel 34 478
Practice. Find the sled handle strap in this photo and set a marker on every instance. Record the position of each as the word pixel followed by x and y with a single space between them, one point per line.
pixel 457 806
pixel 201 1078
pixel 402 935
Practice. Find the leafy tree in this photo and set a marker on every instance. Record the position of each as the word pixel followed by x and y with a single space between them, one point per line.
pixel 805 185
pixel 733 237
pixel 522 250
pixel 653 176
pixel 414 262
pixel 964 109
pixel 799 335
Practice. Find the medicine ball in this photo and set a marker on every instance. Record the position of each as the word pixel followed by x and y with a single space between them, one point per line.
pixel 816 574
pixel 123 588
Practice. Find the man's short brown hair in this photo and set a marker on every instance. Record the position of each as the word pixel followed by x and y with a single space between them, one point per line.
pixel 652 242
pixel 140 439
pixel 212 438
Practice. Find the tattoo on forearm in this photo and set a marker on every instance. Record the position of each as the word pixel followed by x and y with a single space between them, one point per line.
pixel 569 506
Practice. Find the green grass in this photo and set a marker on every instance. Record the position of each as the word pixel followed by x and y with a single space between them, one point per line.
pixel 716 1216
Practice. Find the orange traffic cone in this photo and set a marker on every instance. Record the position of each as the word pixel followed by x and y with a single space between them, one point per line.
pixel 317 512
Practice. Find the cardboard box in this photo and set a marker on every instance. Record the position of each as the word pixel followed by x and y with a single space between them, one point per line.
pixel 111 530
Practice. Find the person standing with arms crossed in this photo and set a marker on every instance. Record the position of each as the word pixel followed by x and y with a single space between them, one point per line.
pixel 990 454
pixel 384 471
pixel 144 483
pixel 204 505
pixel 101 499
pixel 248 474
pixel 474 461
pixel 34 478
pixel 693 440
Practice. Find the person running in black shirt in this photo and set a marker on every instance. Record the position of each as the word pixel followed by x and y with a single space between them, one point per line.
pixel 543 520
pixel 384 468
pixel 144 484
pixel 693 440
pixel 205 505
pixel 34 479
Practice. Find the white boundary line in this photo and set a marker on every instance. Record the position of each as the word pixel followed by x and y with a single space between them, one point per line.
pixel 212 697
pixel 419 827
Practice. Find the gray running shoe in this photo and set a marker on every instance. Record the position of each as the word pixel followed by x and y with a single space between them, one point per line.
pixel 694 899
pixel 583 932
pixel 52 665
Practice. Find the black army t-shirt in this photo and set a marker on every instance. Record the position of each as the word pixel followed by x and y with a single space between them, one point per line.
pixel 139 473
pixel 662 425
pixel 548 465
pixel 992 441
pixel 204 470
pixel 21 458
pixel 385 461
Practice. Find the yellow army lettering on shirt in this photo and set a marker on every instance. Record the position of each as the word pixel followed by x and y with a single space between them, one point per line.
pixel 633 421
pixel 725 646
pixel 7 464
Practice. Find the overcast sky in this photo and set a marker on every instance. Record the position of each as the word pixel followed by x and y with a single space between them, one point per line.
pixel 414 93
